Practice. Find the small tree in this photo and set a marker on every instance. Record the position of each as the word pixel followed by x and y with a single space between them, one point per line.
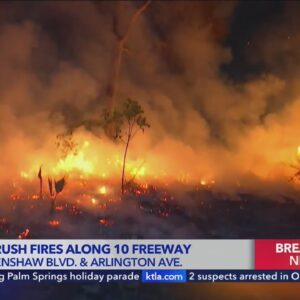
pixel 124 125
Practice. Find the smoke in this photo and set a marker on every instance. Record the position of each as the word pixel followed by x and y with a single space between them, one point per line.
pixel 56 63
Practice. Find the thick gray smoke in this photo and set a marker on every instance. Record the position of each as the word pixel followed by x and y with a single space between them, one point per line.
pixel 56 63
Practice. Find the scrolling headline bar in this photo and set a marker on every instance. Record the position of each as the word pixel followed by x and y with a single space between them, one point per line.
pixel 148 276
pixel 149 254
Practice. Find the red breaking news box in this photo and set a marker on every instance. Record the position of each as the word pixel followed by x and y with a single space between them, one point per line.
pixel 277 254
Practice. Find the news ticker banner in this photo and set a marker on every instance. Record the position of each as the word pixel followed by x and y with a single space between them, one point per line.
pixel 101 261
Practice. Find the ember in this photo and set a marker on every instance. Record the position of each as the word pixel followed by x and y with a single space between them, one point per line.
pixel 24 234
pixel 54 223
pixel 106 222
pixel 15 196
pixel 59 207
pixel 75 210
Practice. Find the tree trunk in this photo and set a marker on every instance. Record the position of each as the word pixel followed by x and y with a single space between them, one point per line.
pixel 124 165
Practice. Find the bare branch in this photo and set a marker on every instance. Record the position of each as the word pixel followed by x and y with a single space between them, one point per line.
pixel 135 132
pixel 122 140
pixel 121 48
pixel 134 18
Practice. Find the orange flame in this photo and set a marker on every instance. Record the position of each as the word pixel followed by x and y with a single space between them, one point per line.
pixel 24 234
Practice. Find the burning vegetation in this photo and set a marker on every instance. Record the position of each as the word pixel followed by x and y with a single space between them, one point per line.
pixel 78 153
pixel 80 85
pixel 80 193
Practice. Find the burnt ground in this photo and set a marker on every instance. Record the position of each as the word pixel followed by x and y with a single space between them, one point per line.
pixel 153 214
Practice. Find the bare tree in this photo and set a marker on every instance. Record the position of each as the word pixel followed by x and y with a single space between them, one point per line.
pixel 121 48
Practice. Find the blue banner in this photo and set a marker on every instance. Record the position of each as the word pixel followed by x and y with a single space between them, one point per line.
pixel 162 276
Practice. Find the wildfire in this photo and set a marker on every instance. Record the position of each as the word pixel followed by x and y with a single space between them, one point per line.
pixel 136 171
pixel 100 160
pixel 75 162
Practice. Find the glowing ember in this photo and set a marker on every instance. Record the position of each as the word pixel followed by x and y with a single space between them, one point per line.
pixel 103 206
pixel 15 196
pixel 59 208
pixel 54 223
pixel 205 182
pixel 24 234
pixel 164 214
pixel 75 210
pixel 105 222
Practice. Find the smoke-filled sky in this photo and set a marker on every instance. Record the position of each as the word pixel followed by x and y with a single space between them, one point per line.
pixel 218 82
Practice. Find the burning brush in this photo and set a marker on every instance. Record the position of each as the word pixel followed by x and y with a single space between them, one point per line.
pixel 58 187
pixel 24 234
